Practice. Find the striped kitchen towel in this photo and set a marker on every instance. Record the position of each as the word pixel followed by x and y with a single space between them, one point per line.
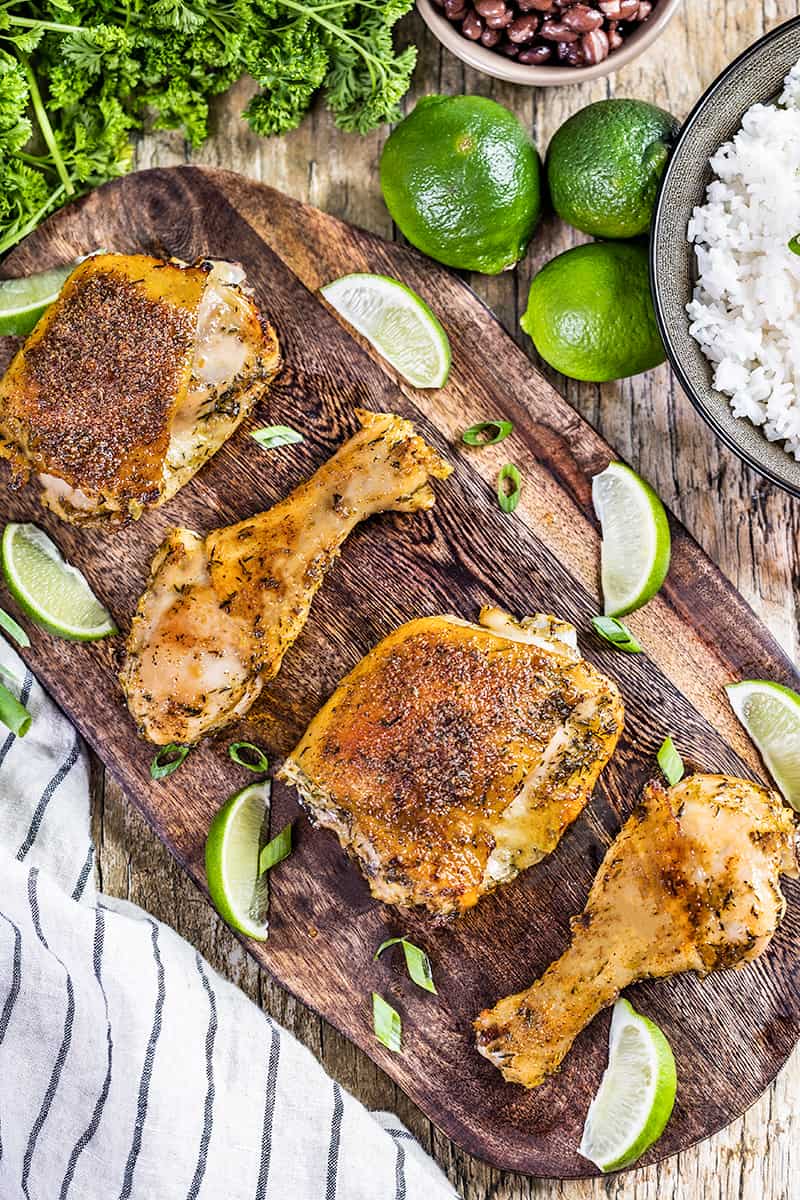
pixel 128 1067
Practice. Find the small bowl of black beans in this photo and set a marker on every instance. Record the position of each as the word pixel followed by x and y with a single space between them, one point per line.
pixel 545 42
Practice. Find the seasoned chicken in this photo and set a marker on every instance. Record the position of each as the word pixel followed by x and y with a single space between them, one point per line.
pixel 220 612
pixel 692 883
pixel 130 381
pixel 455 755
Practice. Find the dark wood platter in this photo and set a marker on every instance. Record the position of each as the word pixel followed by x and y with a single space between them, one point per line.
pixel 732 1032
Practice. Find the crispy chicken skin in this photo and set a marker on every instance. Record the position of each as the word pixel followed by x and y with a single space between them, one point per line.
pixel 220 612
pixel 131 380
pixel 455 755
pixel 692 883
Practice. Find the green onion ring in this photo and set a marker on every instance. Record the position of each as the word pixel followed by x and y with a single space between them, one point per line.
pixel 270 437
pixel 508 501
pixel 259 762
pixel 613 631
pixel 13 714
pixel 275 851
pixel 159 769
pixel 476 434
pixel 14 630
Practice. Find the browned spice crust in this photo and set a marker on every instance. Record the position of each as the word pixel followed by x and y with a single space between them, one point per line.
pixel 101 385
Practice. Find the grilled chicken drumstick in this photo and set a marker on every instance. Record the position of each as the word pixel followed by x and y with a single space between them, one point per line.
pixel 132 379
pixel 692 883
pixel 455 755
pixel 220 612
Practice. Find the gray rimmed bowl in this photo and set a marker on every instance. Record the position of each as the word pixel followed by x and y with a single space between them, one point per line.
pixel 755 77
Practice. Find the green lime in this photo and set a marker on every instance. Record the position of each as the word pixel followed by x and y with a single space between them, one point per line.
pixel 636 1094
pixel 232 859
pixel 771 715
pixel 397 322
pixel 605 164
pixel 461 178
pixel 22 301
pixel 53 594
pixel 590 313
pixel 636 539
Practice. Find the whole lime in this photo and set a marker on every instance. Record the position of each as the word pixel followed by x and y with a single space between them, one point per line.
pixel 604 166
pixel 590 313
pixel 462 181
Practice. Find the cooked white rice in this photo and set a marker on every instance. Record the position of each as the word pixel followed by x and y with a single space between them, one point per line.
pixel 745 312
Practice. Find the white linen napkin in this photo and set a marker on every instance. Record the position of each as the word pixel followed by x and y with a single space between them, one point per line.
pixel 130 1070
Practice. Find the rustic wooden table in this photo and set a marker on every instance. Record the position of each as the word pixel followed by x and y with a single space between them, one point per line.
pixel 749 528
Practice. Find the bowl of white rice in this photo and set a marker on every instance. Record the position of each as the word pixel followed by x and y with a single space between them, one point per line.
pixel 725 256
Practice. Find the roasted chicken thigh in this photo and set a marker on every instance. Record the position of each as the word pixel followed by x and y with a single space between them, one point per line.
pixel 131 380
pixel 692 883
pixel 455 755
pixel 220 611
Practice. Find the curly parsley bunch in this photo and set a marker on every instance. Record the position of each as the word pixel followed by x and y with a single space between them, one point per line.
pixel 78 77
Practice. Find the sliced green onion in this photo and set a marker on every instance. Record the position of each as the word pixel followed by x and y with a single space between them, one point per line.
pixel 270 437
pixel 487 433
pixel 417 962
pixel 794 244
pixel 508 498
pixel 255 759
pixel 276 851
pixel 386 1023
pixel 13 714
pixel 671 762
pixel 14 630
pixel 167 760
pixel 613 631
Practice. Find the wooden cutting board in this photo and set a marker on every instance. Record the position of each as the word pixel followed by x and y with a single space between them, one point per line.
pixel 732 1032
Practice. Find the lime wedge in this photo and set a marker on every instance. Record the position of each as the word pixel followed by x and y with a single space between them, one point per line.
pixel 636 1094
pixel 397 322
pixel 50 591
pixel 636 539
pixel 232 867
pixel 22 301
pixel 771 715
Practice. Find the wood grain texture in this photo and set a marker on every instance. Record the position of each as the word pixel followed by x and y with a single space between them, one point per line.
pixel 732 1032
pixel 732 513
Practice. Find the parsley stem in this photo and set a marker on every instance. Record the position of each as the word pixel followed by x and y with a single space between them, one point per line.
pixel 46 127
pixel 16 235
pixel 340 34
pixel 44 26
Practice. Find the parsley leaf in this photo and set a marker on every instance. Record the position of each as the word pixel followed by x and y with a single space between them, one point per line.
pixel 79 77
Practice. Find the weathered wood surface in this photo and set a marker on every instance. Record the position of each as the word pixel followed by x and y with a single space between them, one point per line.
pixel 731 1033
pixel 750 529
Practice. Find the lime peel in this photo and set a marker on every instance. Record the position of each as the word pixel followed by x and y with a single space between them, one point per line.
pixel 48 589
pixel 24 300
pixel 636 1094
pixel 636 539
pixel 397 322
pixel 770 713
pixel 232 859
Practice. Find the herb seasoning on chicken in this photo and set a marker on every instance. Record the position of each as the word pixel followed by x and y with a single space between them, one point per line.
pixel 220 612
pixel 131 381
pixel 455 755
pixel 692 883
